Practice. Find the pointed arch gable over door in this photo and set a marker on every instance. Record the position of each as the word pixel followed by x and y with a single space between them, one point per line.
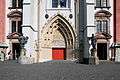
pixel 59 23
pixel 58 34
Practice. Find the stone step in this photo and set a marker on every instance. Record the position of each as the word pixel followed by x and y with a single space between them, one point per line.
pixel 9 62
pixel 106 62
pixel 60 61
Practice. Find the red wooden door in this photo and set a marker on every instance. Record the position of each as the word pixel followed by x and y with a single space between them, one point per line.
pixel 58 53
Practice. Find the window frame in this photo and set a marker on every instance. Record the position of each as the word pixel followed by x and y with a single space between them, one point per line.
pixel 13 27
pixel 103 26
pixel 102 4
pixel 16 27
pixel 59 4
pixel 67 6
pixel 16 4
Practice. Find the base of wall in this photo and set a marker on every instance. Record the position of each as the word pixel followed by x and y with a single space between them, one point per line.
pixel 93 60
pixel 85 60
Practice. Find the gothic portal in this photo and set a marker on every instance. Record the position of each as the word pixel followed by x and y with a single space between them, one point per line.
pixel 57 40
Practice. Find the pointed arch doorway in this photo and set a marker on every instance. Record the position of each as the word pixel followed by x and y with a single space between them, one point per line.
pixel 58 39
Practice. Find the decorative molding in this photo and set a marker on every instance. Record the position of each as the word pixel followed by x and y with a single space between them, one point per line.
pixel 90 3
pixel 14 13
pixel 26 3
pixel 30 27
pixel 14 35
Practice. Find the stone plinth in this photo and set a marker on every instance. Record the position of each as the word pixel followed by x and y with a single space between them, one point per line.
pixel 26 60
pixel 93 60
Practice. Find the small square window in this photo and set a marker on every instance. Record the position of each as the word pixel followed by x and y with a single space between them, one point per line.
pixel 16 4
pixel 102 26
pixel 61 3
pixel 16 26
pixel 102 4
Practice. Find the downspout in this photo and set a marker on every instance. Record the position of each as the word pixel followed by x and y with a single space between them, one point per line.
pixel 75 13
pixel 114 24
pixel 38 31
pixel 75 42
pixel 114 11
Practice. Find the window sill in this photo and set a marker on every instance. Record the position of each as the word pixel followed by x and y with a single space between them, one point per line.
pixel 58 9
pixel 14 7
pixel 108 7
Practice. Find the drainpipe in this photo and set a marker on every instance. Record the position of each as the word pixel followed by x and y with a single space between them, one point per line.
pixel 114 19
pixel 75 41
pixel 38 5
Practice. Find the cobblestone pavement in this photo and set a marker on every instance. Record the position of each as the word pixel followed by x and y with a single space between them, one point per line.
pixel 10 70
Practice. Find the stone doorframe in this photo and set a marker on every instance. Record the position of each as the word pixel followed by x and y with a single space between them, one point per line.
pixel 60 24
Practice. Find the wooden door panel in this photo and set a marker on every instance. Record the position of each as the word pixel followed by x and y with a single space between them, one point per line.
pixel 58 54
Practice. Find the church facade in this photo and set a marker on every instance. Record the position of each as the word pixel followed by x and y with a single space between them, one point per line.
pixel 60 29
pixel 54 29
pixel 53 23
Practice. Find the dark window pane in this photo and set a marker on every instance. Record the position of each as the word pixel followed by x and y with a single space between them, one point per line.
pixel 108 3
pixel 63 3
pixel 107 27
pixel 20 3
pixel 104 3
pixel 98 26
pixel 98 3
pixel 13 26
pixel 101 26
pixel 14 3
pixel 54 3
pixel 69 3
pixel 19 27
pixel 104 26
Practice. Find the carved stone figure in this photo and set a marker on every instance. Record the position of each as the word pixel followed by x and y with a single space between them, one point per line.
pixel 93 41
pixel 23 40
pixel 93 59
pixel 92 45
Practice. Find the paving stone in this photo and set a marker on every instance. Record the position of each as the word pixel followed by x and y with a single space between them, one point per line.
pixel 58 70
